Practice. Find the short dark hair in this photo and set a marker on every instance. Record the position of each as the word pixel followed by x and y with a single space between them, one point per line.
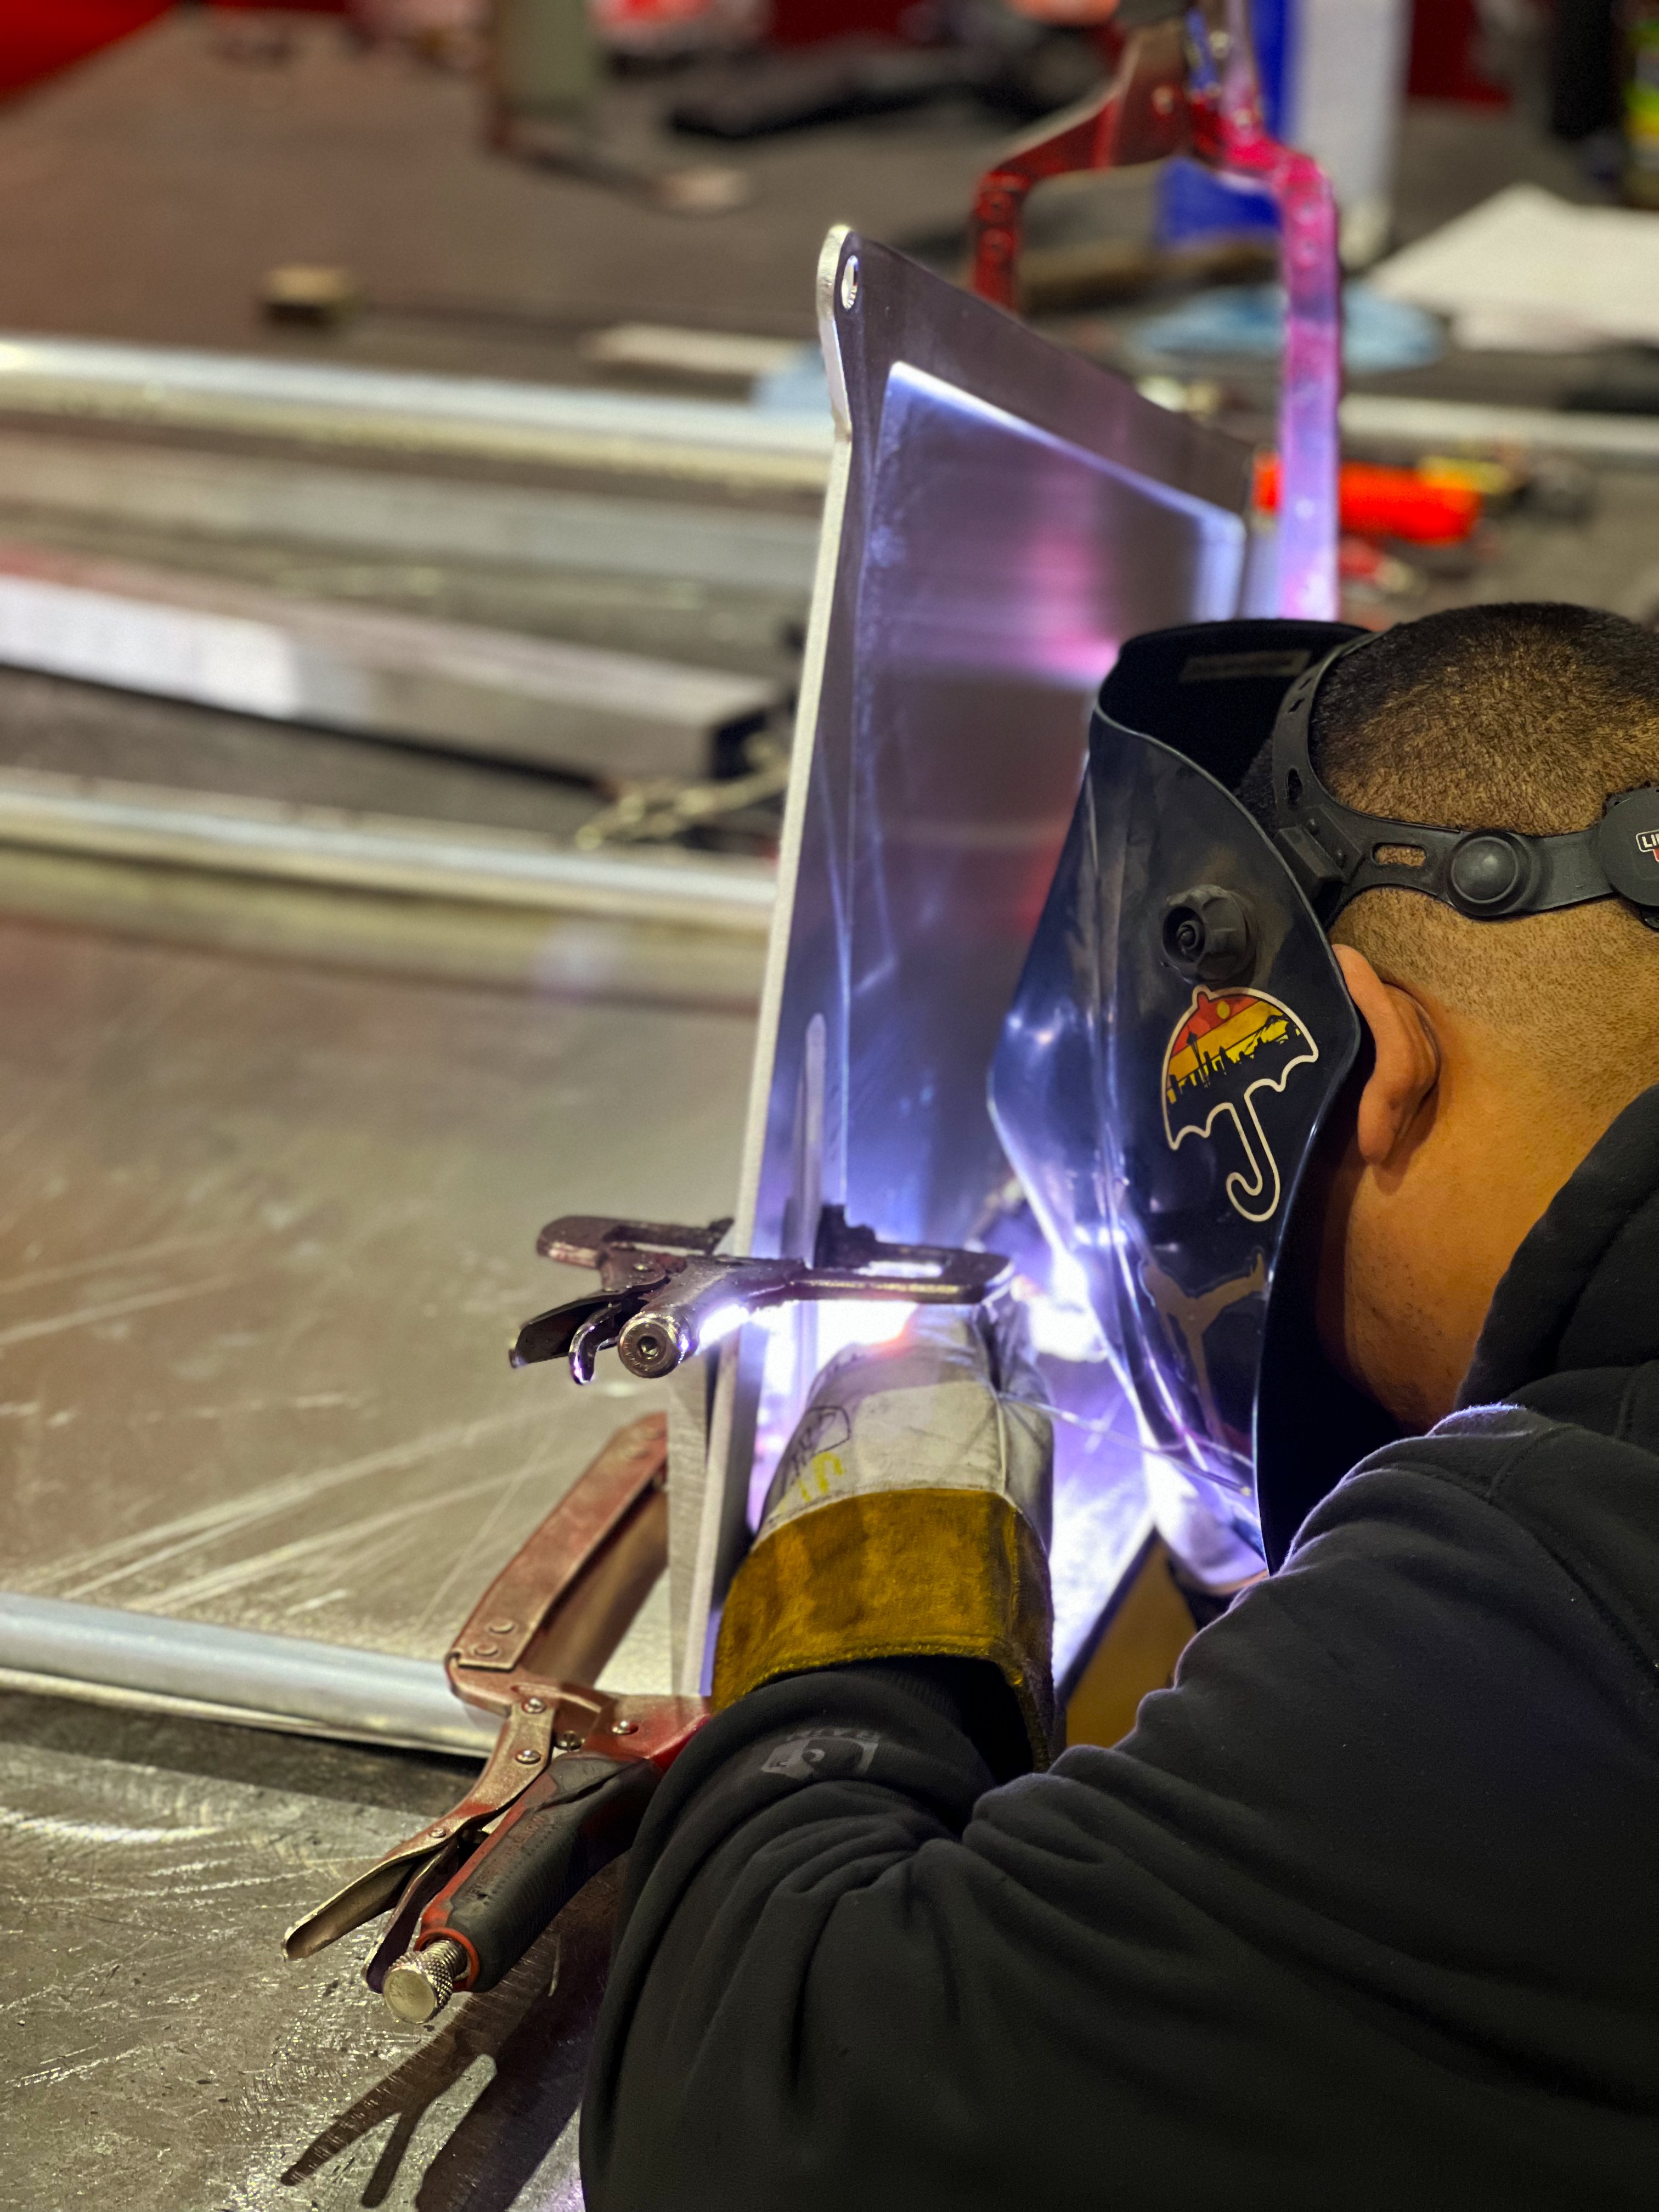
pixel 1508 716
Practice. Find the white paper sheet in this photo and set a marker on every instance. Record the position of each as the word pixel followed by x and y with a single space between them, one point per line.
pixel 1526 272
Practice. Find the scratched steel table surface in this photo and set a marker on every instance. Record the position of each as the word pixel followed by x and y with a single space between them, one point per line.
pixel 265 1232
pixel 156 2049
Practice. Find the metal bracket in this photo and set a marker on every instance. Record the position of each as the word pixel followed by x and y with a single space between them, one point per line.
pixel 1188 85
pixel 664 1292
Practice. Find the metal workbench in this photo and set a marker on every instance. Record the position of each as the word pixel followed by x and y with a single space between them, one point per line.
pixel 266 1232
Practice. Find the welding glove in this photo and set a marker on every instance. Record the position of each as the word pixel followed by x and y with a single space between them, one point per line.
pixel 908 1517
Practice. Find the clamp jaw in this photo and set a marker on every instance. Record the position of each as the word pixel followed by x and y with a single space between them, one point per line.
pixel 666 1292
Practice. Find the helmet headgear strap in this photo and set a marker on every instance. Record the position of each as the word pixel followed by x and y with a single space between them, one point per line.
pixel 1336 853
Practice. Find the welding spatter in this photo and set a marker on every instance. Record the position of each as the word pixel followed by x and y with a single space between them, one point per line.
pixel 666 1292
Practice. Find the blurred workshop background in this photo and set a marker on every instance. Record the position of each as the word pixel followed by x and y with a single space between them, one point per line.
pixel 608 207
pixel 412 440
pixel 601 204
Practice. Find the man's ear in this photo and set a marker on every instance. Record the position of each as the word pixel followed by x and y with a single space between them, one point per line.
pixel 1407 1064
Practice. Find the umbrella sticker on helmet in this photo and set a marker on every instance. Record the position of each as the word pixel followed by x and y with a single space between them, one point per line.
pixel 1226 1047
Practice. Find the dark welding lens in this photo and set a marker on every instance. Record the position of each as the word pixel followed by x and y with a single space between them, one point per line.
pixel 1209 935
pixel 1488 874
pixel 1627 846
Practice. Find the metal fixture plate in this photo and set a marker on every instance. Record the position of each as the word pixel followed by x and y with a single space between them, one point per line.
pixel 460 687
pixel 1001 514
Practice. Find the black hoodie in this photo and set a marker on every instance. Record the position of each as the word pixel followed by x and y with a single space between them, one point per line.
pixel 1365 1912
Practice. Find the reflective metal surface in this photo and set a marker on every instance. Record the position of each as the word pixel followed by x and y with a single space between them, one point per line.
pixel 1002 516
pixel 266 1233
pixel 395 411
pixel 225 497
pixel 155 1663
pixel 153 2043
pixel 1160 1122
pixel 458 687
pixel 288 842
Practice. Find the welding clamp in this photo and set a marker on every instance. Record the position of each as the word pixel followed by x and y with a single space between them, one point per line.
pixel 574 1767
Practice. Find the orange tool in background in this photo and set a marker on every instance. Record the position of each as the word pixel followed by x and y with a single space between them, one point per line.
pixel 1414 506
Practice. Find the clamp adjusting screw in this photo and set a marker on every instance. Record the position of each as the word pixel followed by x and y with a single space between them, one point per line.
pixel 422 1983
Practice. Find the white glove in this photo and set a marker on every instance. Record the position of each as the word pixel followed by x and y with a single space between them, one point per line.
pixel 908 1518
pixel 948 1405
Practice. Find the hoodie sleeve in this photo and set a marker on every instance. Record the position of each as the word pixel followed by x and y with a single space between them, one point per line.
pixel 1354 1917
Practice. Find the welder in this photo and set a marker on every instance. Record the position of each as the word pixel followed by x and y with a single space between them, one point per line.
pixel 1333 1069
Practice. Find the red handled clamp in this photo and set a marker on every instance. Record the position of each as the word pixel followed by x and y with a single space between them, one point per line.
pixel 1184 83
pixel 572 1770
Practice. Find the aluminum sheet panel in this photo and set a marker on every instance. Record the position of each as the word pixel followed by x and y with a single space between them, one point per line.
pixel 1001 515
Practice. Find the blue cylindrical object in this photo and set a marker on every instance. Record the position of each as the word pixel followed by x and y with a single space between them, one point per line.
pixel 1193 205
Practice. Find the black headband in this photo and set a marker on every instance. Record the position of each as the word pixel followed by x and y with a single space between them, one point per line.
pixel 1489 875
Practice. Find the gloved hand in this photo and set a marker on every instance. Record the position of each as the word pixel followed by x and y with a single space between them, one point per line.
pixel 908 1517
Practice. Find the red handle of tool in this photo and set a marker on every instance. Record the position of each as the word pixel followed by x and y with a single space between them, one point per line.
pixel 580 1814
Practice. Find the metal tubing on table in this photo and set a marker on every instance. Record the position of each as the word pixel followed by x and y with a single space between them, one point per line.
pixel 487 417
pixel 291 843
pixel 1390 418
pixel 455 685
pixel 195 1668
pixel 308 502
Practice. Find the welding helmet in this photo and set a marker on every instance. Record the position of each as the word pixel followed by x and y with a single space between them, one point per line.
pixel 1181 1031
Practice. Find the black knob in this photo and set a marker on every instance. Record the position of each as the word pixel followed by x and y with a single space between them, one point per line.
pixel 1209 934
pixel 1486 874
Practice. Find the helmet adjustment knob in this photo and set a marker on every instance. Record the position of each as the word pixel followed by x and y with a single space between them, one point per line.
pixel 1488 874
pixel 1209 934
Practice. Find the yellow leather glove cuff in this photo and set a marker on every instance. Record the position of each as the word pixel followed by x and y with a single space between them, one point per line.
pixel 902 1574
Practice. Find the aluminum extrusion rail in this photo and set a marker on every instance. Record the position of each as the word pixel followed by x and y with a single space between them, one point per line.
pixel 455 685
pixel 485 417
pixel 375 853
pixel 314 502
pixel 197 1670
